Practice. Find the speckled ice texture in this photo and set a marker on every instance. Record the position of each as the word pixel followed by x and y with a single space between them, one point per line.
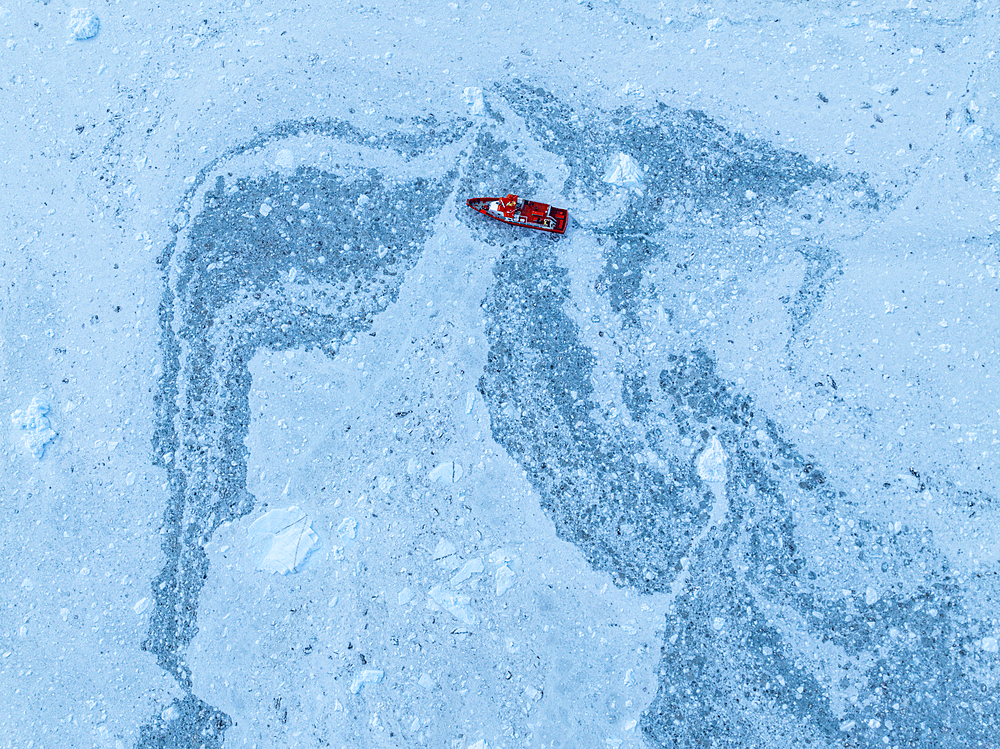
pixel 303 452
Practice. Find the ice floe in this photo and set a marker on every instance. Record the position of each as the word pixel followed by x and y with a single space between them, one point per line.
pixel 624 172
pixel 474 100
pixel 368 676
pixel 447 473
pixel 504 578
pixel 36 431
pixel 443 549
pixel 470 569
pixel 712 462
pixel 457 604
pixel 288 538
pixel 83 24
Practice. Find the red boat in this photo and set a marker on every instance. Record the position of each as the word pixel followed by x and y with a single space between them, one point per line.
pixel 513 210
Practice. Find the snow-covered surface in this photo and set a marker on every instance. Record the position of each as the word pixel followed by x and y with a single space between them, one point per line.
pixel 717 467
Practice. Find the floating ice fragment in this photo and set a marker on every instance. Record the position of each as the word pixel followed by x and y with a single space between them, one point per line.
pixel 481 744
pixel 385 484
pixel 425 680
pixel 444 549
pixel 500 556
pixel 366 677
pixel 447 473
pixel 405 596
pixel 83 24
pixel 284 159
pixel 35 427
pixel 871 596
pixel 990 645
pixel 504 579
pixel 129 478
pixel 470 568
pixel 820 413
pixel 474 100
pixel 712 462
pixel 264 209
pixel 288 537
pixel 624 171
pixel 454 603
pixel 718 623
pixel 348 529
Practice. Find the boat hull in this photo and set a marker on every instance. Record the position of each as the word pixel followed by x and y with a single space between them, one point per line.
pixel 527 213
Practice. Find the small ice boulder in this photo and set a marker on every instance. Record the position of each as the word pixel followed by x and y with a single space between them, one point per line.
pixel 83 24
pixel 287 538
pixel 990 645
pixel 348 530
pixel 368 676
pixel 284 159
pixel 443 549
pixel 440 597
pixel 712 462
pixel 624 171
pixel 871 596
pixel 36 431
pixel 470 569
pixel 447 473
pixel 474 100
pixel 504 577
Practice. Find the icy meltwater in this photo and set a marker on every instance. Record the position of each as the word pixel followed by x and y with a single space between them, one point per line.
pixel 316 457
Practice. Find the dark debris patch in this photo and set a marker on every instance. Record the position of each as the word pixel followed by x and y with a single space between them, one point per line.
pixel 628 519
pixel 242 281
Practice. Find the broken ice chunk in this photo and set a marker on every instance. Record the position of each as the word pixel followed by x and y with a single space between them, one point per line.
pixel 500 556
pixel 288 537
pixel 284 159
pixel 83 24
pixel 35 427
pixel 444 549
pixel 366 677
pixel 504 579
pixel 990 645
pixel 426 681
pixel 405 596
pixel 474 100
pixel 348 529
pixel 457 605
pixel 470 568
pixel 447 473
pixel 625 172
pixel 871 596
pixel 712 462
